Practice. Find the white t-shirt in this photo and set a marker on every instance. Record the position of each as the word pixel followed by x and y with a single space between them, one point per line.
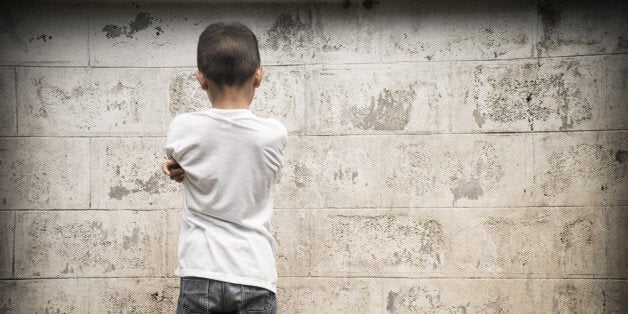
pixel 231 158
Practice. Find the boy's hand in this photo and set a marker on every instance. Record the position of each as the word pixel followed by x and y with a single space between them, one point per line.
pixel 172 169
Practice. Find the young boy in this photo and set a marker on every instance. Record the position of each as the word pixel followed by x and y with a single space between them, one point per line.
pixel 230 158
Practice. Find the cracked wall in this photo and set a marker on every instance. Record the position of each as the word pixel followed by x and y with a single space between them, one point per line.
pixel 443 156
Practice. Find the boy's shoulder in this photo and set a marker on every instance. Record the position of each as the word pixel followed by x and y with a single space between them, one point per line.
pixel 181 119
pixel 279 125
pixel 184 116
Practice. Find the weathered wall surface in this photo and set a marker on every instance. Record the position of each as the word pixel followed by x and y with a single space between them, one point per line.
pixel 466 156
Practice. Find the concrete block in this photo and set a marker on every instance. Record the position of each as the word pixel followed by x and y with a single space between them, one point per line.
pixel 291 229
pixel 173 229
pixel 402 98
pixel 127 174
pixel 43 34
pixel 522 96
pixel 616 245
pixel 39 172
pixel 286 35
pixel 44 296
pixel 487 242
pixel 573 296
pixel 378 243
pixel 616 92
pixel 280 96
pixel 561 242
pixel 578 169
pixel 453 170
pixel 460 296
pixel 339 34
pixel 8 107
pixel 128 295
pixel 408 171
pixel 7 228
pixel 184 92
pixel 454 30
pixel 581 27
pixel 328 295
pixel 330 172
pixel 88 244
pixel 76 101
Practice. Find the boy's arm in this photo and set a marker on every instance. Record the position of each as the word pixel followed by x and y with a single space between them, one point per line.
pixel 171 167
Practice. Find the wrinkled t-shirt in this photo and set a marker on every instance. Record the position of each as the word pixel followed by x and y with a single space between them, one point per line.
pixel 231 158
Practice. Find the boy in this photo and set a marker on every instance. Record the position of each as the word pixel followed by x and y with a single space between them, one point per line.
pixel 230 158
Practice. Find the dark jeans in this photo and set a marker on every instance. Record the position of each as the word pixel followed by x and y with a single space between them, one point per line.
pixel 202 295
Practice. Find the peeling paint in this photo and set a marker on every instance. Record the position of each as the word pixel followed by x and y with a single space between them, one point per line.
pixel 582 162
pixel 155 184
pixel 289 32
pixel 391 305
pixel 185 94
pixel 479 119
pixel 389 111
pixel 550 17
pixel 127 241
pixel 531 93
pixel 345 174
pixel 416 299
pixel 302 175
pixel 141 22
pixel 565 299
pixel 418 242
pixel 118 192
pixel 621 156
pixel 497 305
pixel 42 37
pixel 579 231
pixel 467 188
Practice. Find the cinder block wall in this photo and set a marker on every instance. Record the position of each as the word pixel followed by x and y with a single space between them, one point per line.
pixel 447 156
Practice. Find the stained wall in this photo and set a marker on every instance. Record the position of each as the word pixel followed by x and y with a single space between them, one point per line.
pixel 443 156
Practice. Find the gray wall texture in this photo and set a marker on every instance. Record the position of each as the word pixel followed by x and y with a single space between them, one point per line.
pixel 466 156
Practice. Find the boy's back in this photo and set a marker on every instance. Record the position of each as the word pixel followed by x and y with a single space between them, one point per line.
pixel 231 158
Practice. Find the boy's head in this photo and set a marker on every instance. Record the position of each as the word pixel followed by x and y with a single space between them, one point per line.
pixel 228 54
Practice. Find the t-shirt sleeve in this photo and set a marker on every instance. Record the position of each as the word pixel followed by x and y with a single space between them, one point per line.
pixel 174 137
pixel 284 143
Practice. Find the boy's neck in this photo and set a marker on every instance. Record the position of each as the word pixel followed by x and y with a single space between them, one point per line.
pixel 231 97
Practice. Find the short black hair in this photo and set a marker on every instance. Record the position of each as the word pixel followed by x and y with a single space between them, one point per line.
pixel 228 53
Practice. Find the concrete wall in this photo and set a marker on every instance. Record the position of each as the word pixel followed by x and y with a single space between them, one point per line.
pixel 466 156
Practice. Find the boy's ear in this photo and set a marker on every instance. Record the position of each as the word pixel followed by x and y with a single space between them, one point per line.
pixel 258 76
pixel 202 80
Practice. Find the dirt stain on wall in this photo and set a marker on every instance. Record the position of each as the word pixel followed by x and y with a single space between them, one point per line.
pixel 467 188
pixel 532 93
pixel 418 243
pixel 583 162
pixel 155 184
pixel 416 299
pixel 389 111
pixel 185 94
pixel 141 22
pixel 550 17
pixel 289 32
pixel 301 175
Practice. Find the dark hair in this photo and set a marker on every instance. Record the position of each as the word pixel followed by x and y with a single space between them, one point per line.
pixel 227 53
